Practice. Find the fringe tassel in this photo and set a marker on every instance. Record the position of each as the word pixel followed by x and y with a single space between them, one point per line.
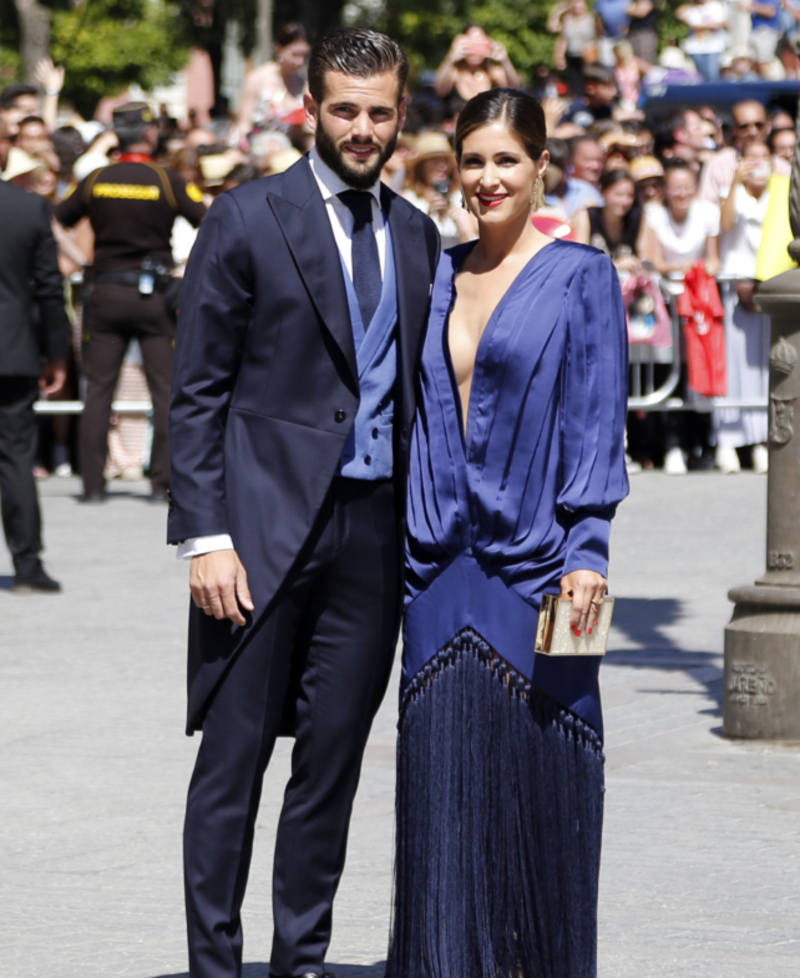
pixel 499 824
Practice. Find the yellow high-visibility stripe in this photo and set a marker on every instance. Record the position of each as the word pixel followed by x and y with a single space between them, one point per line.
pixel 126 191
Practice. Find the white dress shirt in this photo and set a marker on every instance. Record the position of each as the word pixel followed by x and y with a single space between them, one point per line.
pixel 341 219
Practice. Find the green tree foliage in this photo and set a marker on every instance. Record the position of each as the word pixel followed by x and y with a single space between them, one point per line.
pixel 427 27
pixel 10 59
pixel 203 22
pixel 106 45
pixel 317 16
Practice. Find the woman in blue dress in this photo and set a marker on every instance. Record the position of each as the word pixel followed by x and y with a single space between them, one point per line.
pixel 517 468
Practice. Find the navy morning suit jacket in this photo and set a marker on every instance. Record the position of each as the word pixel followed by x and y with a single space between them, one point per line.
pixel 265 385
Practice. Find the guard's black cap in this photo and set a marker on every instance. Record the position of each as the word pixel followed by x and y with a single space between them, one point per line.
pixel 132 114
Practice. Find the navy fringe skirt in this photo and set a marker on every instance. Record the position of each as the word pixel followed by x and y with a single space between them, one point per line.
pixel 499 825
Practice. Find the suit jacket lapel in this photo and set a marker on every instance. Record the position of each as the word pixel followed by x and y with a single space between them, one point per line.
pixel 413 281
pixel 303 219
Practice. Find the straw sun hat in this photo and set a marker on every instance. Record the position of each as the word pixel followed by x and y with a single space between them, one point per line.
pixel 429 146
pixel 19 163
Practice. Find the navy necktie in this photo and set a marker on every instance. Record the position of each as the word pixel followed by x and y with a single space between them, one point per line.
pixel 366 264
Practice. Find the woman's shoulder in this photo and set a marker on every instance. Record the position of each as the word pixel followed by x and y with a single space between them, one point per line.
pixel 572 256
pixel 451 258
pixel 564 258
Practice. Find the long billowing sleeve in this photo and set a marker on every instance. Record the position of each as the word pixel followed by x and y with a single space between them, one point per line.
pixel 594 387
pixel 214 317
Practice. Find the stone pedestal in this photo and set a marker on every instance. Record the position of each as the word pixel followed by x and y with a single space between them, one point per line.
pixel 761 696
pixel 762 664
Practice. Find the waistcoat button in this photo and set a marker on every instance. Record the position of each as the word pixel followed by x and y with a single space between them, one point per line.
pixel 340 416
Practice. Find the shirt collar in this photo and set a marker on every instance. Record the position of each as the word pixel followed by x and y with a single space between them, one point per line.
pixel 331 184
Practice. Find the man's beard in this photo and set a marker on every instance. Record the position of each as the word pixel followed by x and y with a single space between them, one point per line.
pixel 357 179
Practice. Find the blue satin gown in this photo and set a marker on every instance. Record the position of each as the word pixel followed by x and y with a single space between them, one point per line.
pixel 500 760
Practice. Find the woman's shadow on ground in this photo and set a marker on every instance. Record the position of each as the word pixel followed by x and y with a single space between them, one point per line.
pixel 644 622
pixel 258 969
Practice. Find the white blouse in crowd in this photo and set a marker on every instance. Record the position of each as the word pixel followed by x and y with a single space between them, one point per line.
pixel 739 247
pixel 445 225
pixel 702 40
pixel 684 241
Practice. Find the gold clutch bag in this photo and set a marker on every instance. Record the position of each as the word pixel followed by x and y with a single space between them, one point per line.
pixel 555 637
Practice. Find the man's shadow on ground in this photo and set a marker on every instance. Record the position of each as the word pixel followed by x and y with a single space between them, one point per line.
pixel 258 969
pixel 642 621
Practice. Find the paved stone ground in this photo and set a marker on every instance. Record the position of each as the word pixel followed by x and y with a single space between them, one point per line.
pixel 702 843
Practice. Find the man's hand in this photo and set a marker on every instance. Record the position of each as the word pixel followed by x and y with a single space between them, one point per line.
pixel 587 590
pixel 219 585
pixel 53 378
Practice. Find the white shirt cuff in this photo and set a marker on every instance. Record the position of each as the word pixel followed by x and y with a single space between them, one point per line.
pixel 195 546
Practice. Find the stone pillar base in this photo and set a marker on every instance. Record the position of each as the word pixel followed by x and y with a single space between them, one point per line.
pixel 762 664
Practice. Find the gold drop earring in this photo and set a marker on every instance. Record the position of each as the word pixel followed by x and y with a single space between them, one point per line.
pixel 537 197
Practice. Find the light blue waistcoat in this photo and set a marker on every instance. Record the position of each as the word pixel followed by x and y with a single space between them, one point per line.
pixel 367 453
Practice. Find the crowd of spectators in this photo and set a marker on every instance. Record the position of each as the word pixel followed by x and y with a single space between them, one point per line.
pixel 690 186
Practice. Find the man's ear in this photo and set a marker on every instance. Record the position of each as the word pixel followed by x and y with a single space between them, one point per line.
pixel 402 109
pixel 312 111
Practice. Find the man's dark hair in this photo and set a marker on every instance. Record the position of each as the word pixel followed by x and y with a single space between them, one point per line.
pixel 131 135
pixel 676 163
pixel 664 131
pixel 355 51
pixel 595 74
pixel 32 118
pixel 575 142
pixel 11 93
pixel 243 173
pixel 69 145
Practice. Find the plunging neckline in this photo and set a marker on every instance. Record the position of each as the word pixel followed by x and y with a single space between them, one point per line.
pixel 463 423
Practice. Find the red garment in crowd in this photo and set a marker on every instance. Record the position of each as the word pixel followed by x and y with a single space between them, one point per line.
pixel 553 226
pixel 704 331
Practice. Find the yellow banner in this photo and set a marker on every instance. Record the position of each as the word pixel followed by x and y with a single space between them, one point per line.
pixel 776 235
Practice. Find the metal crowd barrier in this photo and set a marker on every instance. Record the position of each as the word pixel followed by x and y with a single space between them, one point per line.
pixel 76 407
pixel 645 395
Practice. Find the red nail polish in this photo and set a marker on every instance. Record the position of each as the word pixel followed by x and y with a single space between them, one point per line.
pixel 577 631
pixel 589 631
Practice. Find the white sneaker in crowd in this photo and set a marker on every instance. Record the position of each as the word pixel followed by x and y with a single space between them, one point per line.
pixel 674 462
pixel 760 459
pixel 63 471
pixel 726 459
pixel 633 468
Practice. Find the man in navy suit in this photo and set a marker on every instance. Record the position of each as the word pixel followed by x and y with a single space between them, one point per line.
pixel 293 396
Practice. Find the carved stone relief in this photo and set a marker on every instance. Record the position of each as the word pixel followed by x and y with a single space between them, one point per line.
pixel 781 419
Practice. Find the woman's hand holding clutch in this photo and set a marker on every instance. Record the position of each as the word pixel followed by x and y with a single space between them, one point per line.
pixel 586 589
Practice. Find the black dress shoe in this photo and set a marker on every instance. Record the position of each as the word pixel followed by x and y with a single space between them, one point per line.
pixel 93 497
pixel 159 496
pixel 37 583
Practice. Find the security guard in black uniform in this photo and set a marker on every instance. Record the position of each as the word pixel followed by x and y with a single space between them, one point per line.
pixel 131 204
